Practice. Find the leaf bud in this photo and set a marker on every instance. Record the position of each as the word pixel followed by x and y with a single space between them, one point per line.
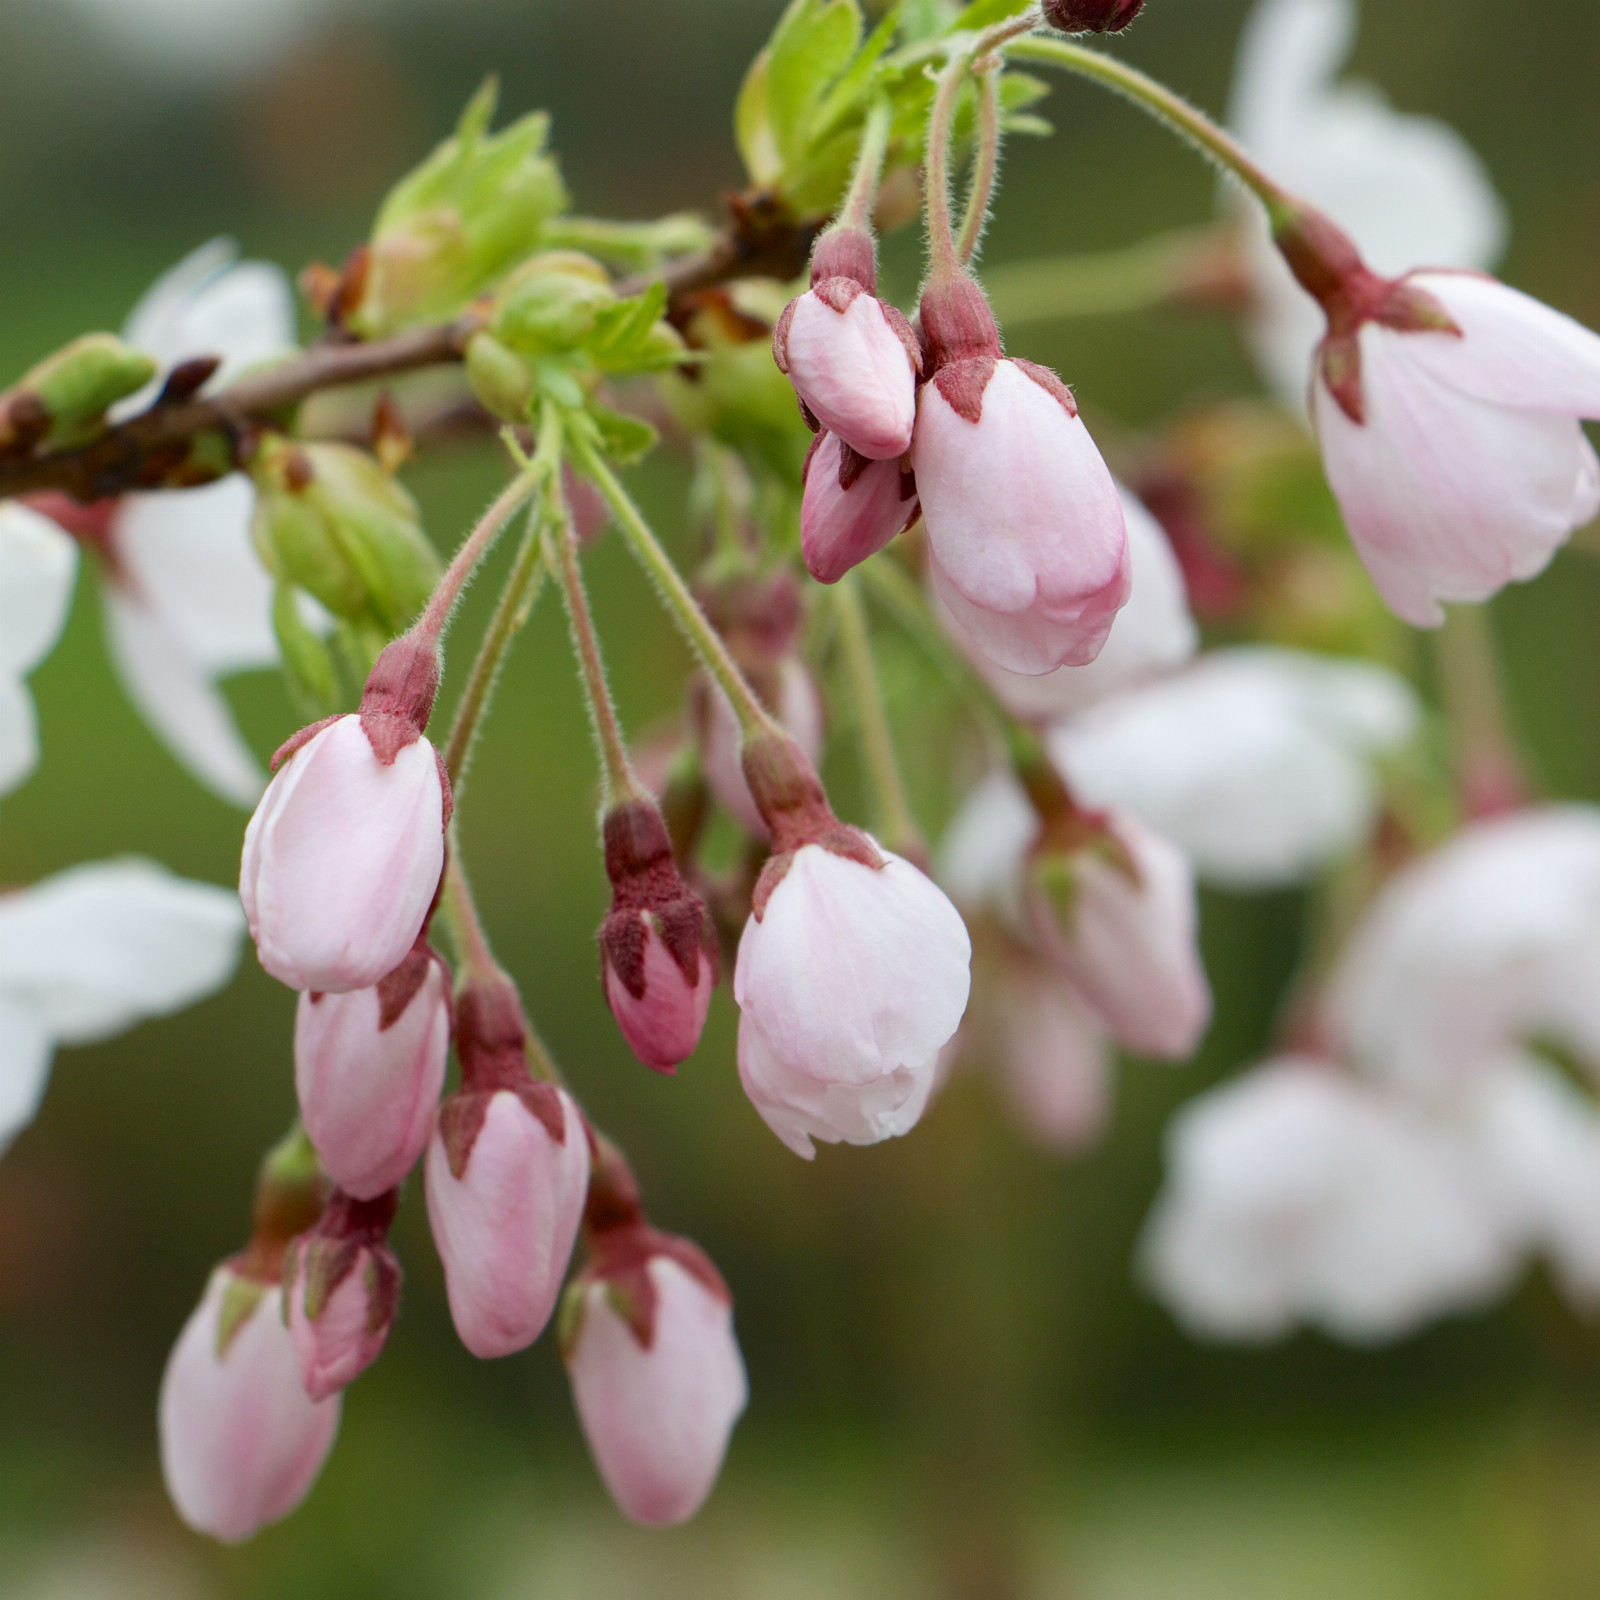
pixel 452 227
pixel 552 303
pixel 76 384
pixel 499 378
pixel 330 519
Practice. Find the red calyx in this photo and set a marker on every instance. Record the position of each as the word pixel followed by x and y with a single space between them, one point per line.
pixel 644 877
pixel 332 1248
pixel 492 1045
pixel 957 324
pixel 846 253
pixel 401 987
pixel 1327 264
pixel 399 696
pixel 1091 16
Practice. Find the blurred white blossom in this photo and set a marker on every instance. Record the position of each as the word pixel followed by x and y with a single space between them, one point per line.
pixel 1408 189
pixel 1258 761
pixel 87 953
pixel 38 564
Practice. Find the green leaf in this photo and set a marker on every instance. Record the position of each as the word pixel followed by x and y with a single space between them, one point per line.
pixel 752 127
pixel 985 13
pixel 306 662
pixel 811 46
pixel 623 438
pixel 625 327
pixel 849 95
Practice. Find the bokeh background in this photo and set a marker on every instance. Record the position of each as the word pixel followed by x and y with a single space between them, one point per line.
pixel 958 1389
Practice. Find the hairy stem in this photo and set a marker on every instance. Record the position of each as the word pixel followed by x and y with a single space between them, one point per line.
pixel 943 258
pixel 894 822
pixel 1190 124
pixel 857 209
pixel 620 784
pixel 754 718
pixel 986 163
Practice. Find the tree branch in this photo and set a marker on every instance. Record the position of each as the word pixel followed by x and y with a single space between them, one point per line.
pixel 150 450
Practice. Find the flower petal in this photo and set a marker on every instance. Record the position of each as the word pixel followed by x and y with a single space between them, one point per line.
pixel 26 1048
pixel 38 563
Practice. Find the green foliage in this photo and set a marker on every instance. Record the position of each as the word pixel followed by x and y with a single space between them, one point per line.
pixel 307 664
pixel 457 224
pixel 78 382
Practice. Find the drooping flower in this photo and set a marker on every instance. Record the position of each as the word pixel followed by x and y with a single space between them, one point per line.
pixel 1116 911
pixel 851 357
pixel 1259 762
pixel 1150 636
pixel 342 1289
pixel 1488 942
pixel 506 1176
pixel 1025 526
pixel 368 1068
pixel 1406 188
pixel 38 564
pixel 241 1440
pixel 1297 1194
pixel 89 952
pixel 658 946
pixel 343 856
pixel 851 977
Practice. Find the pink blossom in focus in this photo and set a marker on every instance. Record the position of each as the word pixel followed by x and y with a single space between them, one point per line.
pixel 662 1023
pixel 505 1196
pixel 342 859
pixel 851 508
pixel 1467 468
pixel 1025 526
pixel 851 365
pixel 657 1411
pixel 241 1441
pixel 850 980
pixel 368 1068
pixel 1119 918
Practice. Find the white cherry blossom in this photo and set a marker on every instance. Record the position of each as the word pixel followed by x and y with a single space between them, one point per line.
pixel 38 564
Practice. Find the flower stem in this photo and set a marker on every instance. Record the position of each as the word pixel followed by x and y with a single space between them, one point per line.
pixel 1190 124
pixel 476 545
pixel 474 959
pixel 895 823
pixel 944 261
pixel 987 161
pixel 1489 771
pixel 856 211
pixel 620 784
pixel 754 719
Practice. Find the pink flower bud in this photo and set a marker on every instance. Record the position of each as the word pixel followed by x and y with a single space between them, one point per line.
pixel 852 359
pixel 507 1172
pixel 342 858
pixel 1117 914
pixel 241 1441
pixel 656 1376
pixel 343 1291
pixel 1024 522
pixel 852 975
pixel 658 946
pixel 1091 16
pixel 851 508
pixel 368 1068
pixel 795 702
pixel 1053 1057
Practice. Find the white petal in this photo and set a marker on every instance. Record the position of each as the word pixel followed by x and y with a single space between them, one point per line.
pixel 19 734
pixel 980 856
pixel 210 304
pixel 188 554
pixel 178 699
pixel 1256 761
pixel 38 563
pixel 102 945
pixel 1513 350
pixel 26 1048
pixel 1448 497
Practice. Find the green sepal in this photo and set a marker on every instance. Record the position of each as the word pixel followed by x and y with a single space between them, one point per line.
pixel 622 438
pixel 569 1319
pixel 239 1300
pixel 307 662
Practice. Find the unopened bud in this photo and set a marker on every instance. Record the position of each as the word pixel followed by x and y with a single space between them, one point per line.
pixel 76 384
pixel 506 1176
pixel 1091 16
pixel 368 1068
pixel 551 303
pixel 657 943
pixel 330 519
pixel 449 229
pixel 657 1377
pixel 499 378
pixel 342 1288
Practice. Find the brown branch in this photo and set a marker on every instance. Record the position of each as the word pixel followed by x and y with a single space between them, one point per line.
pixel 151 449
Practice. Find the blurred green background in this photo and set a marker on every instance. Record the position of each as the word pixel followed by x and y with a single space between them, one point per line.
pixel 957 1388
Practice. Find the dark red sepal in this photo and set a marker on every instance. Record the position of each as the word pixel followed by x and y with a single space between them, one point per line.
pixel 296 741
pixel 399 696
pixel 962 384
pixel 1049 382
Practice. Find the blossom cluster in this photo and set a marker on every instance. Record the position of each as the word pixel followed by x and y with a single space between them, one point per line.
pixel 1407 1148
